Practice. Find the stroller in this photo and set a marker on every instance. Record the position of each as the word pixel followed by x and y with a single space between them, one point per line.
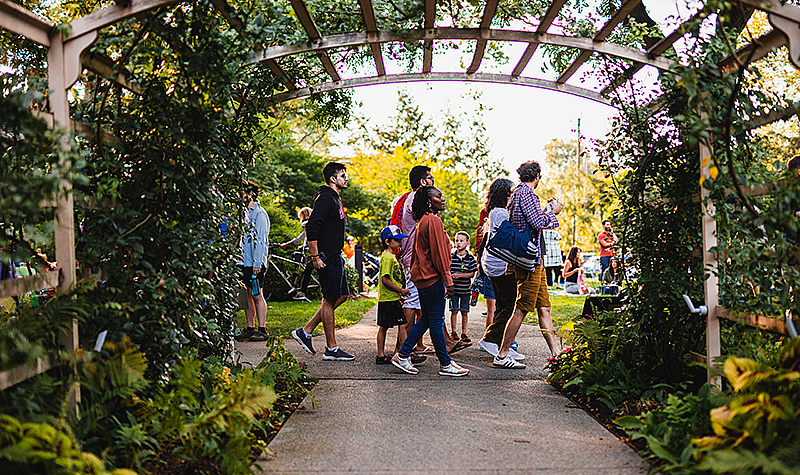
pixel 372 267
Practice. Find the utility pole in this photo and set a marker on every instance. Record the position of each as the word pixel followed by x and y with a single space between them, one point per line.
pixel 575 216
pixel 579 144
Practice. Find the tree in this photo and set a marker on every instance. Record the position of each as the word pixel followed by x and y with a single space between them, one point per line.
pixel 450 144
pixel 386 175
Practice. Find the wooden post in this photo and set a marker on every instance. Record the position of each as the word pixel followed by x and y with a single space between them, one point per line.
pixel 64 214
pixel 711 285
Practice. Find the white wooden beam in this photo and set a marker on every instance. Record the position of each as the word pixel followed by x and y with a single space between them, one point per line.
pixel 17 19
pixel 21 286
pixel 432 77
pixel 601 35
pixel 368 13
pixel 544 24
pixel 357 39
pixel 301 10
pixel 427 46
pixel 480 48
pixel 113 14
pixel 711 284
pixel 22 372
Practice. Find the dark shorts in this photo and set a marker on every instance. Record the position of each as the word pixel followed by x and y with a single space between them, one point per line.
pixel 247 275
pixel 333 279
pixel 459 303
pixel 488 290
pixel 390 314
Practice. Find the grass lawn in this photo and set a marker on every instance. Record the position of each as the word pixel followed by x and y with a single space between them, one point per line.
pixel 283 317
pixel 564 310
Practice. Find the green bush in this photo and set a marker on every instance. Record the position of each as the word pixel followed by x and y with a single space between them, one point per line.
pixel 27 448
pixel 751 428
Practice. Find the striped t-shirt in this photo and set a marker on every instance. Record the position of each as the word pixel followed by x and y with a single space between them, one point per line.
pixel 462 265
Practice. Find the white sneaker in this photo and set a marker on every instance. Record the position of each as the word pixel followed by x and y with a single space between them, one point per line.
pixel 489 347
pixel 404 364
pixel 515 355
pixel 456 365
pixel 452 370
pixel 507 362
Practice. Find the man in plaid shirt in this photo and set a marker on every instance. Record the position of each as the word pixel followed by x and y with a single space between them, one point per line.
pixel 525 213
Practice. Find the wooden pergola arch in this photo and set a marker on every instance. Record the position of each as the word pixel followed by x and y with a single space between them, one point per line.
pixel 68 57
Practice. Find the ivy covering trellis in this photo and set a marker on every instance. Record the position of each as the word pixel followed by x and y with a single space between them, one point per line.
pixel 161 152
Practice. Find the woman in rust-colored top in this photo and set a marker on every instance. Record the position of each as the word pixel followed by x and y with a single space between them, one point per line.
pixel 430 271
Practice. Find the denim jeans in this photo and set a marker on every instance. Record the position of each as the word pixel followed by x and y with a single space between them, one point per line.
pixel 605 261
pixel 432 299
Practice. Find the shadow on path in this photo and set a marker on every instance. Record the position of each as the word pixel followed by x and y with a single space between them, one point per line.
pixel 376 419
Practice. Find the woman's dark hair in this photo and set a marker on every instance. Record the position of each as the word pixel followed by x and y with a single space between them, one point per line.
pixel 529 171
pixel 497 194
pixel 572 256
pixel 611 267
pixel 421 206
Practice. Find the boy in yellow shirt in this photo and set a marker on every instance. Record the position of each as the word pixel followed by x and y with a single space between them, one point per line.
pixel 391 292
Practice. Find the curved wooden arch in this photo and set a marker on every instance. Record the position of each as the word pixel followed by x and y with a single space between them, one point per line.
pixel 361 39
pixel 434 77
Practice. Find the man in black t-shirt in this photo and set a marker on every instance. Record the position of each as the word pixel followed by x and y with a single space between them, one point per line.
pixel 325 232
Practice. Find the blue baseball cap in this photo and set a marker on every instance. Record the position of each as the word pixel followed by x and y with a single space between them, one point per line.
pixel 392 231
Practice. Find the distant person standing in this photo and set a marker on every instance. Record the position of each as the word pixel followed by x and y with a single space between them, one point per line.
pixel 253 264
pixel 302 215
pixel 552 257
pixel 607 241
pixel 573 271
pixel 325 233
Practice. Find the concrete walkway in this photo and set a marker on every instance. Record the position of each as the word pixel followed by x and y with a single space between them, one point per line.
pixel 376 419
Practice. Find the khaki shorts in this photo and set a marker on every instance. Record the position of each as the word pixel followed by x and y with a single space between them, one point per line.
pixel 531 289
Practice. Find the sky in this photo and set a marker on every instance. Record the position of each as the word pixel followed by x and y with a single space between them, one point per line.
pixel 521 120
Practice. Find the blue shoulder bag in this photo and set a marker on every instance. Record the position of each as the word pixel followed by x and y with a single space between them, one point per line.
pixel 513 247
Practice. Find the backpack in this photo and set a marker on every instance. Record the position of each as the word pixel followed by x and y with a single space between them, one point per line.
pixel 397 216
pixel 397 213
pixel 513 247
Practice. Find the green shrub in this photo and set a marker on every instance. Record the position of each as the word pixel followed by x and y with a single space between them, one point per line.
pixel 28 448
pixel 668 431
pixel 753 431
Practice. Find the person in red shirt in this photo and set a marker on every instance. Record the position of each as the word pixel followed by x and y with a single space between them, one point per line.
pixel 607 241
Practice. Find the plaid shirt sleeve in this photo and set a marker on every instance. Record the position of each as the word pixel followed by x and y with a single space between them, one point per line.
pixel 526 213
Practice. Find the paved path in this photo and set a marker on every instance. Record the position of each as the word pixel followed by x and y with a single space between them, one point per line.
pixel 377 419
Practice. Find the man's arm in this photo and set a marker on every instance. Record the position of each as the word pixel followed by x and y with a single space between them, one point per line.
pixel 537 219
pixel 605 241
pixel 260 241
pixel 440 249
pixel 318 215
pixel 316 261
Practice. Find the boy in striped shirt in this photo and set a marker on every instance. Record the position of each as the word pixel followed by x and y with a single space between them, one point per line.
pixel 463 268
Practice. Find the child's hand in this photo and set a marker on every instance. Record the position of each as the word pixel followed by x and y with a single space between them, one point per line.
pixel 405 292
